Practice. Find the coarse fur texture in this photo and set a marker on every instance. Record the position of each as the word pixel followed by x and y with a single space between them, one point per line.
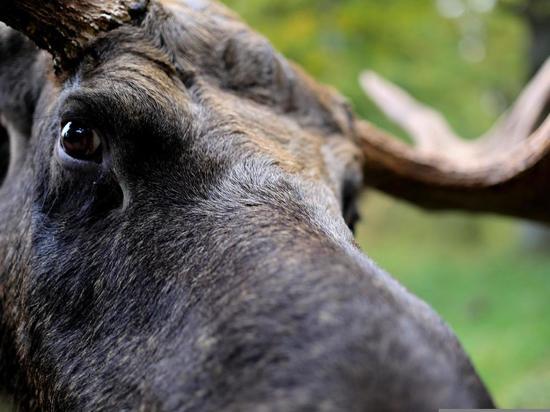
pixel 206 263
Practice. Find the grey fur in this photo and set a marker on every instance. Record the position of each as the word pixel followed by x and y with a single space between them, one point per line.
pixel 206 264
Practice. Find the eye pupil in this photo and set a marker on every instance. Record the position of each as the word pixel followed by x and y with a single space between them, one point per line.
pixel 80 142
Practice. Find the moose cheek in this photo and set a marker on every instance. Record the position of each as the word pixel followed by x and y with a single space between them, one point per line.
pixel 81 189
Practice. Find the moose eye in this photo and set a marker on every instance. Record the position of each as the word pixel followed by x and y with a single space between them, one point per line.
pixel 80 142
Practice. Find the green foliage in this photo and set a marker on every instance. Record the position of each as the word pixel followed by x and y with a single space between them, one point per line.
pixel 405 41
pixel 474 271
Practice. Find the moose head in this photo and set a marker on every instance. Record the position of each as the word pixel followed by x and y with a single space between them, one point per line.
pixel 175 221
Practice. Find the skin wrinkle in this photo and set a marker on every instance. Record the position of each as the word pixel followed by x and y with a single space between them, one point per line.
pixel 207 264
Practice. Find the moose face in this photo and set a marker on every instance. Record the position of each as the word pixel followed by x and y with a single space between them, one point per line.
pixel 147 119
pixel 175 236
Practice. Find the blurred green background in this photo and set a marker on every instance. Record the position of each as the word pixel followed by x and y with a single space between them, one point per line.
pixel 489 277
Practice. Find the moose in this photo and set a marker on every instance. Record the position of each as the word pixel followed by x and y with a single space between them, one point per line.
pixel 177 205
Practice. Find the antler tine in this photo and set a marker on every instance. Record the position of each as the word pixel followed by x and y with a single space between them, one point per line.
pixel 506 171
pixel 427 127
pixel 432 133
pixel 66 28
pixel 522 118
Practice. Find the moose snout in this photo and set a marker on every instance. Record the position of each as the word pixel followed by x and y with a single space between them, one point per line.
pixel 318 330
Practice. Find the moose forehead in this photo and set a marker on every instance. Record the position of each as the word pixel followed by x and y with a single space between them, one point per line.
pixel 190 139
pixel 204 83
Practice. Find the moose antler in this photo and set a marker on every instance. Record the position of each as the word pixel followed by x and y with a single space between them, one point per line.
pixel 65 28
pixel 506 171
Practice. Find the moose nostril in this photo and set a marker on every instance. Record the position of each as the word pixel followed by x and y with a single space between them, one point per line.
pixel 80 142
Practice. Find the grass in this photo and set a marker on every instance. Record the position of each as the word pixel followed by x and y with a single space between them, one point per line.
pixel 474 271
